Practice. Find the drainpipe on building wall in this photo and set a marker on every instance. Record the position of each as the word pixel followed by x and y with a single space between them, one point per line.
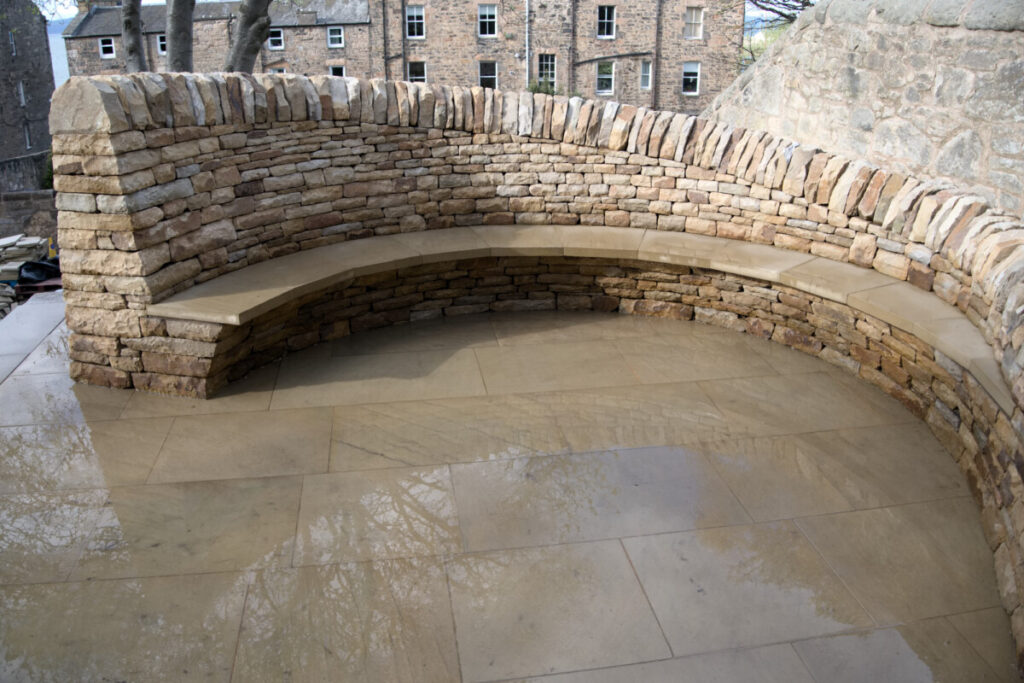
pixel 405 45
pixel 527 44
pixel 655 65
pixel 384 36
pixel 570 68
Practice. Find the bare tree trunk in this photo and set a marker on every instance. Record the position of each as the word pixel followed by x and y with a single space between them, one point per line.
pixel 131 36
pixel 253 27
pixel 179 34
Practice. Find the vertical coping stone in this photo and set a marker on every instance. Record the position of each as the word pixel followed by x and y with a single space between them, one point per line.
pixel 525 116
pixel 558 111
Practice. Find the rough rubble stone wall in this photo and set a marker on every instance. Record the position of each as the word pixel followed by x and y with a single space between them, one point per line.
pixel 28 63
pixel 30 212
pixel 932 88
pixel 167 180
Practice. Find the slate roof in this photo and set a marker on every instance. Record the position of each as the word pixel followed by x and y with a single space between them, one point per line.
pixel 106 21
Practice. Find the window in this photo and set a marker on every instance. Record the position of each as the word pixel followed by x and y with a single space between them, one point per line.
pixel 488 74
pixel 415 23
pixel 645 75
pixel 694 29
pixel 691 78
pixel 21 92
pixel 28 136
pixel 487 20
pixel 416 72
pixel 606 21
pixel 337 70
pixel 277 70
pixel 107 48
pixel 161 44
pixel 275 39
pixel 335 36
pixel 605 78
pixel 14 44
pixel 546 71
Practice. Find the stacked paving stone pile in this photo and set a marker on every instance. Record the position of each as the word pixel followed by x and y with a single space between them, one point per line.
pixel 14 252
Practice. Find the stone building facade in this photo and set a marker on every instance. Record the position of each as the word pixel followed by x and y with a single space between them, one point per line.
pixel 634 52
pixel 26 83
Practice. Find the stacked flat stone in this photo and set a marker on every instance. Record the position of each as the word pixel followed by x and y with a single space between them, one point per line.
pixel 15 250
pixel 168 180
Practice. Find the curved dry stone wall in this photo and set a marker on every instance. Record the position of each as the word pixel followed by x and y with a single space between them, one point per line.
pixel 933 87
pixel 166 181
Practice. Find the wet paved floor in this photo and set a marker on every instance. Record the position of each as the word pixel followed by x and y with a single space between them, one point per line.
pixel 558 496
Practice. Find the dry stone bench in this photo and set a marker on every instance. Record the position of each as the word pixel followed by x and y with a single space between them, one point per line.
pixel 213 223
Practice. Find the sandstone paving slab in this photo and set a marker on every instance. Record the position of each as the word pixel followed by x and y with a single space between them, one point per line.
pixel 50 356
pixel 43 534
pixel 94 454
pixel 9 363
pixel 55 399
pixel 419 336
pixel 370 621
pixel 988 632
pixel 379 514
pixel 885 464
pixel 193 527
pixel 548 327
pixel 443 431
pixel 924 651
pixel 277 443
pixel 741 586
pixel 251 393
pixel 553 367
pixel 781 358
pixel 831 279
pixel 568 498
pixel 313 378
pixel 27 325
pixel 911 561
pixel 774 477
pixel 770 664
pixel 176 628
pixel 660 359
pixel 559 609
pixel 633 416
pixel 788 404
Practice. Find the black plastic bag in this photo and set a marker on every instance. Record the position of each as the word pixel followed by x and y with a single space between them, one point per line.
pixel 32 272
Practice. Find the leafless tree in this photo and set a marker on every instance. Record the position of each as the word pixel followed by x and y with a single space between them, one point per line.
pixel 253 28
pixel 179 34
pixel 131 36
pixel 784 11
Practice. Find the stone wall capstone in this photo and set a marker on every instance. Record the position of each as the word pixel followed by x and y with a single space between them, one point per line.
pixel 168 180
pixel 929 88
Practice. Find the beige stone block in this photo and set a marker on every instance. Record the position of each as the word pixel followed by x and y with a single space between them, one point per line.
pixel 101 323
pixel 891 264
pixel 90 106
pixel 112 262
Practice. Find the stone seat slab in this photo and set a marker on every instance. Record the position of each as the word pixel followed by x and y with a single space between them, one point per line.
pixel 600 242
pixel 240 296
pixel 832 279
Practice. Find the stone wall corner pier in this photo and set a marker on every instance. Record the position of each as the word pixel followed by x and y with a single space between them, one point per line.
pixel 209 223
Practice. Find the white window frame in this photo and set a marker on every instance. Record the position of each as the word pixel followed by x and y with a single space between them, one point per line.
pixel 21 93
pixel 338 66
pixel 107 43
pixel 277 70
pixel 597 84
pixel 14 43
pixel 480 73
pixel 491 18
pixel 699 33
pixel 606 36
pixel 408 72
pixel 554 69
pixel 337 40
pixel 646 72
pixel 161 43
pixel 695 92
pixel 28 136
pixel 417 14
pixel 275 39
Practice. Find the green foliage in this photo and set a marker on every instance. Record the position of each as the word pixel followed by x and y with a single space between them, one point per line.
pixel 47 181
pixel 543 88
